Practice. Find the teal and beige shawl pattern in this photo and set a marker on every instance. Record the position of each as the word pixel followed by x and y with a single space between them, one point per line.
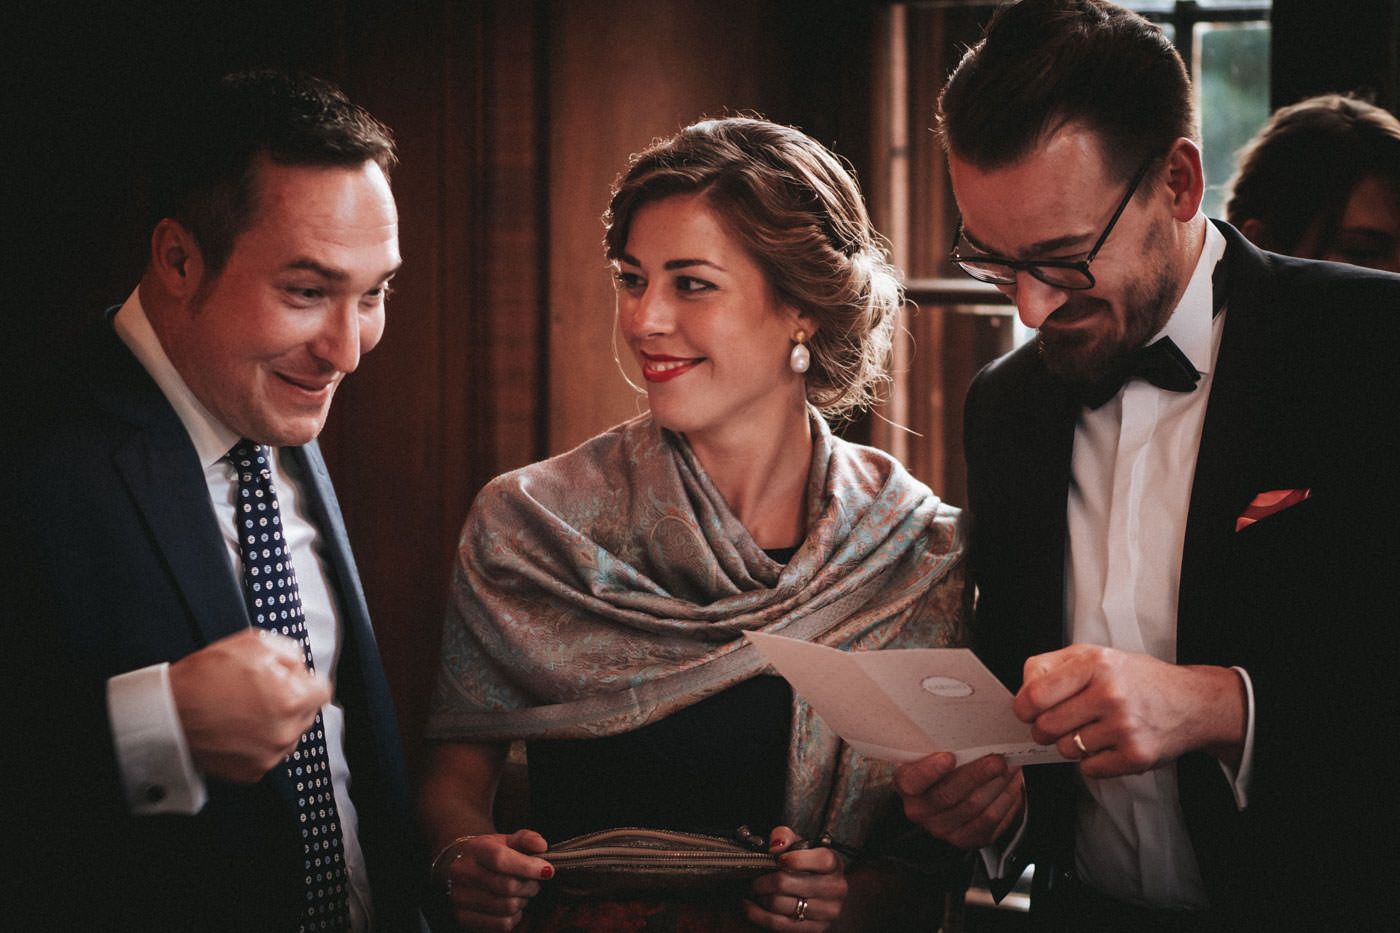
pixel 606 588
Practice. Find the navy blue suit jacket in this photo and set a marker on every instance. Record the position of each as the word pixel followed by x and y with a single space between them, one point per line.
pixel 1306 394
pixel 113 560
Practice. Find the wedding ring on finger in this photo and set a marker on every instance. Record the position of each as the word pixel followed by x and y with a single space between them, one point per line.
pixel 799 913
pixel 1079 744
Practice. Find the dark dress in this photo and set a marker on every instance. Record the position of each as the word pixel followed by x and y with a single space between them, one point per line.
pixel 712 767
pixel 708 768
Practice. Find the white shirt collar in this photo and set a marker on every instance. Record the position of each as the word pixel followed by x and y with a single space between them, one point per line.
pixel 211 439
pixel 1190 325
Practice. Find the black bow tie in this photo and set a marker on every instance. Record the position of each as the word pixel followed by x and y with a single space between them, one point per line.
pixel 1161 363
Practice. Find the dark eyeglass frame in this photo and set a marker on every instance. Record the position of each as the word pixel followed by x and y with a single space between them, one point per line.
pixel 1034 267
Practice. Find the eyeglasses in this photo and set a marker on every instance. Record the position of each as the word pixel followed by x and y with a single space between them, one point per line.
pixel 1069 274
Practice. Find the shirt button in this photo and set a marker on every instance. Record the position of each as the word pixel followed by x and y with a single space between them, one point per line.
pixel 154 793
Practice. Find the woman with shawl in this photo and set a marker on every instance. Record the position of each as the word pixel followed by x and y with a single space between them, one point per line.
pixel 600 597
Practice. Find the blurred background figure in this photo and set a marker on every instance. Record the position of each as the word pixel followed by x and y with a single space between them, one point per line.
pixel 1321 180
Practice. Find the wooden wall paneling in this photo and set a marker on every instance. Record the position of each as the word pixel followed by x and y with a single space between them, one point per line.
pixel 819 71
pixel 949 343
pixel 620 75
pixel 385 441
pixel 816 59
pixel 462 353
pixel 974 337
pixel 623 73
pixel 888 201
pixel 931 199
pixel 516 208
pixel 919 225
pixel 454 395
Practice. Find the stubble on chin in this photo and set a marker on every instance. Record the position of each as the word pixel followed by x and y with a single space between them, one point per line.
pixel 1080 357
pixel 1083 358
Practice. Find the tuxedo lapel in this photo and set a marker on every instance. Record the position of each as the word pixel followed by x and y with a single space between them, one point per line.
pixel 1048 432
pixel 1238 458
pixel 1020 440
pixel 1020 437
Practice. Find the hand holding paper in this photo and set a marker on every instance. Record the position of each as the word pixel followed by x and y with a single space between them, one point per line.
pixel 904 704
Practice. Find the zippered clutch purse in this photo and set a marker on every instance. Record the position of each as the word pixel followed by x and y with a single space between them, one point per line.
pixel 635 862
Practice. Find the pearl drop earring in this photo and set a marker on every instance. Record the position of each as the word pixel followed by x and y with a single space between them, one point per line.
pixel 800 359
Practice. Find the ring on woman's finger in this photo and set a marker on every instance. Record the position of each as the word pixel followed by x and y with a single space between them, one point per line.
pixel 1079 744
pixel 799 913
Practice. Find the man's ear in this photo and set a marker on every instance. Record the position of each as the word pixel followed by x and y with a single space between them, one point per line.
pixel 1185 178
pixel 176 259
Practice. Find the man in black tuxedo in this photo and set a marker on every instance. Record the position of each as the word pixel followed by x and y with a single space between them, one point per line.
pixel 199 733
pixel 1181 554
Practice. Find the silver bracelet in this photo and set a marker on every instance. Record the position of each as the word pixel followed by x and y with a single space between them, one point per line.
pixel 442 853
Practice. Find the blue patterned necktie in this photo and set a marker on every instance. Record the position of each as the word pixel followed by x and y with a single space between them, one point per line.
pixel 274 603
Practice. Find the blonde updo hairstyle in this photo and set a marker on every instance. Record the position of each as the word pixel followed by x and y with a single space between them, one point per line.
pixel 798 212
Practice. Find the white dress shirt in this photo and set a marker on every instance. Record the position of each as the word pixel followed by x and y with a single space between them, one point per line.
pixel 151 749
pixel 1133 464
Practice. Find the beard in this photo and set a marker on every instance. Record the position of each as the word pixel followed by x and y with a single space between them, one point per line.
pixel 1084 357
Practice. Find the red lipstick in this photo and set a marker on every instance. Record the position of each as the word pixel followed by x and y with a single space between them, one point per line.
pixel 659 367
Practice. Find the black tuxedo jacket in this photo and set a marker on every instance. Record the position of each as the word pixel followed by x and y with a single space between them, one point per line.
pixel 1306 394
pixel 113 560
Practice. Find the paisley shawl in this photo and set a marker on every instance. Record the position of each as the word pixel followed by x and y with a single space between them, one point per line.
pixel 608 587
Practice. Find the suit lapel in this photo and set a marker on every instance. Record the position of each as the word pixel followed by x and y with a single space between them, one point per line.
pixel 372 742
pixel 161 471
pixel 358 665
pixel 325 512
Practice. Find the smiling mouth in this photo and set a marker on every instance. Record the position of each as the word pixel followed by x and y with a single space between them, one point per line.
pixel 658 368
pixel 309 386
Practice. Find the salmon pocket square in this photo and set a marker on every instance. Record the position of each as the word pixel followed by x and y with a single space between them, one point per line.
pixel 1270 503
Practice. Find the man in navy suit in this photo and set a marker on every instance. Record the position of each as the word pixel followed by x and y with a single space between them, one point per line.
pixel 1184 510
pixel 157 774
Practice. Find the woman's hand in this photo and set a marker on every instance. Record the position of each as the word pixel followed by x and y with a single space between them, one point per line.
pixel 491 878
pixel 806 894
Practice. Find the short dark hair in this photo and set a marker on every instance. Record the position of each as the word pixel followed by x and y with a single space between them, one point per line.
pixel 797 210
pixel 1297 174
pixel 1044 63
pixel 204 167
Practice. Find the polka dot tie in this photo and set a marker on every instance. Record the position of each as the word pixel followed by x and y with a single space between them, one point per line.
pixel 274 603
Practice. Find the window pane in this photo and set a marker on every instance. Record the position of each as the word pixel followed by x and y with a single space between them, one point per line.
pixel 1232 88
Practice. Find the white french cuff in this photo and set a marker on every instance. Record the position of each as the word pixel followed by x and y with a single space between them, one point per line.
pixel 996 858
pixel 153 757
pixel 1239 782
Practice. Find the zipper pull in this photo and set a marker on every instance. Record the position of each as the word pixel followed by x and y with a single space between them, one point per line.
pixel 753 841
